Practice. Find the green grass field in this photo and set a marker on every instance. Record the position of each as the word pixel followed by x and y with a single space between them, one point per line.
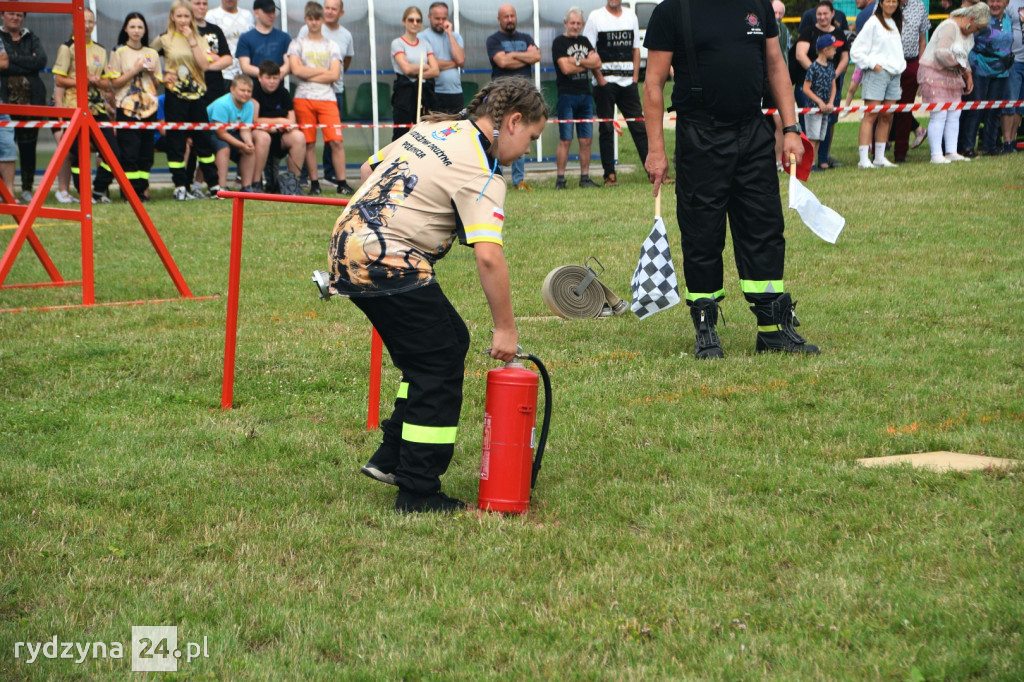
pixel 692 520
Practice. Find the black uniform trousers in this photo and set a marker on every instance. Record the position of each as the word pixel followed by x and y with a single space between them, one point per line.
pixel 136 152
pixel 627 98
pixel 104 175
pixel 728 169
pixel 180 110
pixel 403 103
pixel 427 341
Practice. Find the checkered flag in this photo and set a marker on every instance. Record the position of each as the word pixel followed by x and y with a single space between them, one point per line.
pixel 654 283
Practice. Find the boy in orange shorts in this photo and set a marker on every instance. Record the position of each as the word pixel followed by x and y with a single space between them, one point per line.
pixel 315 62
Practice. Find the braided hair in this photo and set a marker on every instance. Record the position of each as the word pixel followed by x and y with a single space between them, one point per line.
pixel 500 97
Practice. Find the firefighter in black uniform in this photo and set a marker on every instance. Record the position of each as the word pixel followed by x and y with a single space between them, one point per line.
pixel 725 157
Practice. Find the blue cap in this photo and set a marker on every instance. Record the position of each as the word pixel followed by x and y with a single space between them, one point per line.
pixel 828 40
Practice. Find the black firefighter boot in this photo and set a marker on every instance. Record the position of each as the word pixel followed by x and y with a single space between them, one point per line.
pixel 775 327
pixel 704 312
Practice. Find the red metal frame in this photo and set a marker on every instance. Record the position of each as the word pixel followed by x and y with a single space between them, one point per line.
pixel 227 388
pixel 84 129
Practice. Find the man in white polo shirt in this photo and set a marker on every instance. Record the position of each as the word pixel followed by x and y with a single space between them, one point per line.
pixel 234 21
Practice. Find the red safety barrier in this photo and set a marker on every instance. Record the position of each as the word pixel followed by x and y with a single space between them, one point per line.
pixel 164 125
pixel 234 278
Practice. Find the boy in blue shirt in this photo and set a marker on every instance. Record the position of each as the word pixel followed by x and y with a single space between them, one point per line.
pixel 237 144
pixel 820 89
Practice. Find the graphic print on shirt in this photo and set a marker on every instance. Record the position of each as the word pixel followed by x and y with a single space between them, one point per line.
pixel 141 101
pixel 616 50
pixel 362 242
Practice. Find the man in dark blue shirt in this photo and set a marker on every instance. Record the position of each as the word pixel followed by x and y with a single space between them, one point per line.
pixel 263 42
pixel 512 53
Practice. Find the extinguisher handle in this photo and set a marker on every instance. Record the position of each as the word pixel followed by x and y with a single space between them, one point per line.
pixel 519 351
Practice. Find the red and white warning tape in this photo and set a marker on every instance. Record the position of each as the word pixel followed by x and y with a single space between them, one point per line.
pixel 165 126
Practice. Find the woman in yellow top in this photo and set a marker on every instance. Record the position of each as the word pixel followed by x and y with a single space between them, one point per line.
pixel 65 77
pixel 134 70
pixel 437 184
pixel 186 59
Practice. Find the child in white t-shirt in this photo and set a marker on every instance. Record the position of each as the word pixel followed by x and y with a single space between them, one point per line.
pixel 315 62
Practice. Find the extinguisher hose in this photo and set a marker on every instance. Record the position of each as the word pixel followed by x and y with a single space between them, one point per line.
pixel 542 441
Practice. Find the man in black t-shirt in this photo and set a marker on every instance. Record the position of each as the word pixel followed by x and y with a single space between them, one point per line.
pixel 217 46
pixel 725 158
pixel 274 106
pixel 574 57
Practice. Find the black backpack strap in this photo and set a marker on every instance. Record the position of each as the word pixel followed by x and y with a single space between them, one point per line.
pixel 696 91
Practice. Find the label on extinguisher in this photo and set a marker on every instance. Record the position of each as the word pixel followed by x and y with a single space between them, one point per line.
pixel 533 438
pixel 485 456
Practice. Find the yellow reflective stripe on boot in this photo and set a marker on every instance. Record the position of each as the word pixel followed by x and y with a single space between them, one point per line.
pixel 692 296
pixel 206 159
pixel 761 286
pixel 769 328
pixel 433 435
pixel 403 390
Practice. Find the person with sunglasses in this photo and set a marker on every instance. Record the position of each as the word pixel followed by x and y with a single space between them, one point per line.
pixel 407 50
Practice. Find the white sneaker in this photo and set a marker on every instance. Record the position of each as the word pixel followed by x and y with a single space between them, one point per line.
pixel 377 475
pixel 956 157
pixel 940 159
pixel 65 197
pixel 182 194
pixel 26 197
pixel 883 162
pixel 866 165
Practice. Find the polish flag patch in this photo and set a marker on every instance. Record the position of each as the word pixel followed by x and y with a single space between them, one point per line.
pixel 499 214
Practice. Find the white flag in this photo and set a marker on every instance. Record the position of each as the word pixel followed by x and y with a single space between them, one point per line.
pixel 822 220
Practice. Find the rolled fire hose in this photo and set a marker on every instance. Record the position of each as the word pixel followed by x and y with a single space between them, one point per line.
pixel 575 292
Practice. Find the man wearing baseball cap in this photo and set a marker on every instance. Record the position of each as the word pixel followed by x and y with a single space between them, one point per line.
pixel 263 42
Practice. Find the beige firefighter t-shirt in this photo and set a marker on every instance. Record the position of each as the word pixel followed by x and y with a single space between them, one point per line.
pixel 430 187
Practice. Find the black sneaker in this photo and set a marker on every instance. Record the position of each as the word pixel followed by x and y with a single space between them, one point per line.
pixel 345 189
pixel 585 182
pixel 409 502
pixel 377 475
pixel 559 183
pixel 314 188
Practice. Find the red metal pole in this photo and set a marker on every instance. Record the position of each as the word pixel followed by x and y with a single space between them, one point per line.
pixel 28 214
pixel 107 154
pixel 81 134
pixel 234 275
pixel 373 399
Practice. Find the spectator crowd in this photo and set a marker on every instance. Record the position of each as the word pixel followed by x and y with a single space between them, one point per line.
pixel 228 65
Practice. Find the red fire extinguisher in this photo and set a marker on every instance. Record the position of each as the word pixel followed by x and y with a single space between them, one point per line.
pixel 508 467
